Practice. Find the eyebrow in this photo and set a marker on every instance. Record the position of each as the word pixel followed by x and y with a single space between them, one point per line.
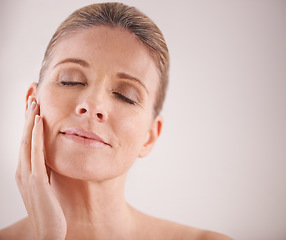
pixel 129 77
pixel 73 60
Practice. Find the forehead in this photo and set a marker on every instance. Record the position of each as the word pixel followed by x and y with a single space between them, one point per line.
pixel 108 50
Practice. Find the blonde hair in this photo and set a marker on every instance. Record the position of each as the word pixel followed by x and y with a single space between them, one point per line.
pixel 126 17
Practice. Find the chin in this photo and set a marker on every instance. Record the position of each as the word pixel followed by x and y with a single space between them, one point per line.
pixel 82 166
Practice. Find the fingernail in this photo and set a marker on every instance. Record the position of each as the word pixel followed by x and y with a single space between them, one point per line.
pixel 37 119
pixel 33 106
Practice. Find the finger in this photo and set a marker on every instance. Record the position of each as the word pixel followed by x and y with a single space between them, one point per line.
pixel 38 166
pixel 30 99
pixel 25 148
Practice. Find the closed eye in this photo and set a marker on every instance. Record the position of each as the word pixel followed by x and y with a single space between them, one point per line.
pixel 63 83
pixel 124 98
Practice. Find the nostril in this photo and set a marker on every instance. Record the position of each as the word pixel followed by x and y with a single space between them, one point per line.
pixel 82 110
pixel 99 115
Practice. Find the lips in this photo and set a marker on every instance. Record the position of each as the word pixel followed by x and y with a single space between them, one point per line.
pixel 83 137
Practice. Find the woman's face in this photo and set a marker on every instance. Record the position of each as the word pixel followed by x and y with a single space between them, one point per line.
pixel 97 99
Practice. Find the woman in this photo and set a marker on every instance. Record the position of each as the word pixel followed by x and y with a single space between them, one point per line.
pixel 94 111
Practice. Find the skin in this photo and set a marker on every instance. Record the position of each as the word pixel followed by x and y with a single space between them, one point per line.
pixel 76 191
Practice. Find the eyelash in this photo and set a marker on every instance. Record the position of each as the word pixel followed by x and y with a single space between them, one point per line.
pixel 72 83
pixel 123 98
pixel 119 95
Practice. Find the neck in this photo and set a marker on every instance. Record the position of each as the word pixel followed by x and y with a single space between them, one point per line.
pixel 95 208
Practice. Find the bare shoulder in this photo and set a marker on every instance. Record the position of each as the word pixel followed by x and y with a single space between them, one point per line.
pixel 159 229
pixel 19 230
pixel 183 232
pixel 188 233
pixel 208 235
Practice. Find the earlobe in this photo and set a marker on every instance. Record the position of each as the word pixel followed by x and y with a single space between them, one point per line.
pixel 152 136
pixel 32 91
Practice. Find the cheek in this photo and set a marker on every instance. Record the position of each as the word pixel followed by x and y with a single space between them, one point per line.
pixel 53 108
pixel 131 132
pixel 53 103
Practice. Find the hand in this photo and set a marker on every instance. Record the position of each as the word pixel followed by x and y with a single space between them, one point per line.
pixel 44 210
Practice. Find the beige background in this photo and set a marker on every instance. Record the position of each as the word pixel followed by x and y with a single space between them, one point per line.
pixel 221 161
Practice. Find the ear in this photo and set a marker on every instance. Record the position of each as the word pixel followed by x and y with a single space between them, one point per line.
pixel 152 136
pixel 32 91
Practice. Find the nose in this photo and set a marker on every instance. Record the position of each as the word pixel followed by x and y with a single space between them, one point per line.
pixel 93 104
